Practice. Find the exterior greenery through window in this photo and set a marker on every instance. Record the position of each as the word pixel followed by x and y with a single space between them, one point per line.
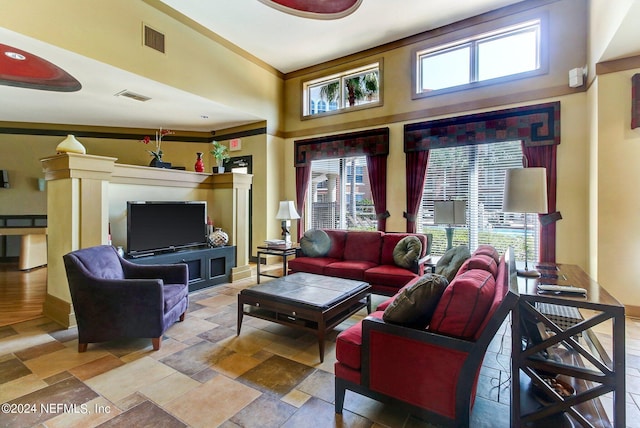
pixel 350 89
pixel 339 198
pixel 509 51
pixel 476 173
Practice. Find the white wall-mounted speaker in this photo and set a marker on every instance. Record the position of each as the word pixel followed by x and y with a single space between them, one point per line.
pixel 576 77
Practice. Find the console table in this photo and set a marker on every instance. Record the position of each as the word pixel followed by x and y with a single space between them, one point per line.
pixel 569 349
pixel 207 266
pixel 33 248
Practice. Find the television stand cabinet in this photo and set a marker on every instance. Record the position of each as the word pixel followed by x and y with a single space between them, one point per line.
pixel 207 266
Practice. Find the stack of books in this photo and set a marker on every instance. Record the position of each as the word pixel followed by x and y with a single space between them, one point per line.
pixel 276 243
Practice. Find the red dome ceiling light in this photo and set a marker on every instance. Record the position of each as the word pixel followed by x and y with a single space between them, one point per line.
pixel 316 9
pixel 25 70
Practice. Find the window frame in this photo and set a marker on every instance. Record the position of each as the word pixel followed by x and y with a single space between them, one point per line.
pixel 476 40
pixel 305 106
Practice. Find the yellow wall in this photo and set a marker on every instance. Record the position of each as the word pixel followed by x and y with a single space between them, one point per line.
pixel 398 104
pixel 618 177
pixel 110 31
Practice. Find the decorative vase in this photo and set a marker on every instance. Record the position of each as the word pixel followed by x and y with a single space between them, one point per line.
pixel 199 166
pixel 218 238
pixel 220 166
pixel 158 163
pixel 71 145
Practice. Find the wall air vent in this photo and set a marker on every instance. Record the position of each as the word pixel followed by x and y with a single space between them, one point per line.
pixel 153 39
pixel 132 95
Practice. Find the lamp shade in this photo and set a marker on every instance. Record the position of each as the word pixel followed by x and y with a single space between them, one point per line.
pixel 287 211
pixel 450 212
pixel 525 190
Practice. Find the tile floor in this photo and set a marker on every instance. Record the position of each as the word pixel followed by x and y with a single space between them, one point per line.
pixel 206 376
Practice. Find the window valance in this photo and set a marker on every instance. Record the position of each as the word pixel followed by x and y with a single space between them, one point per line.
pixel 372 142
pixel 536 125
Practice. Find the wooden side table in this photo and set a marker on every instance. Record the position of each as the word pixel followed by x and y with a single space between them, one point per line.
pixel 275 251
pixel 569 348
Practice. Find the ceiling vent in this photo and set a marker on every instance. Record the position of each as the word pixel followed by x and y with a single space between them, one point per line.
pixel 153 39
pixel 132 95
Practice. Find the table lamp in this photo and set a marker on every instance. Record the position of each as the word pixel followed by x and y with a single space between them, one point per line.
pixel 286 213
pixel 450 213
pixel 525 191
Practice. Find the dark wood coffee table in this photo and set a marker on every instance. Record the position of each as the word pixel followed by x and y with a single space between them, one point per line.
pixel 305 301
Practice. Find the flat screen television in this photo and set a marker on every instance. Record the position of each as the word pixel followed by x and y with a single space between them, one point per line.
pixel 158 226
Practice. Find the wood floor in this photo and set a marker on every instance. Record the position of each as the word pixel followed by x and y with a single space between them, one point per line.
pixel 22 293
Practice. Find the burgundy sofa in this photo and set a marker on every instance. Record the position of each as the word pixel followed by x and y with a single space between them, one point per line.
pixel 432 371
pixel 365 256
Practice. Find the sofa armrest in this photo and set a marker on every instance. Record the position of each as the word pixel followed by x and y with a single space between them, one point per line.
pixel 419 367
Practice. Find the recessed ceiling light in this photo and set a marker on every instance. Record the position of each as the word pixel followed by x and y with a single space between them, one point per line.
pixel 15 55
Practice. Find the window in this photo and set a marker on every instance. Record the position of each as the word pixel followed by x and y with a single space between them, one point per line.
pixel 476 174
pixel 354 88
pixel 507 52
pixel 340 199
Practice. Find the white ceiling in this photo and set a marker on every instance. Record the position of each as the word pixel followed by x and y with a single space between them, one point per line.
pixel 282 40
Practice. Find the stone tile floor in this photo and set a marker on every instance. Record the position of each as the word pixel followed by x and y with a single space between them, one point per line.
pixel 206 376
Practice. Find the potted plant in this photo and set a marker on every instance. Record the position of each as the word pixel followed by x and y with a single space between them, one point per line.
pixel 220 153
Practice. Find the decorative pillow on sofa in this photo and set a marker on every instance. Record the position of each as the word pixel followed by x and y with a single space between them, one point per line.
pixel 464 304
pixel 415 304
pixel 407 252
pixel 451 261
pixel 480 261
pixel 487 250
pixel 315 243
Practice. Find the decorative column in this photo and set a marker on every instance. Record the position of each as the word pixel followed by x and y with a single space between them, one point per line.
pixel 231 213
pixel 77 217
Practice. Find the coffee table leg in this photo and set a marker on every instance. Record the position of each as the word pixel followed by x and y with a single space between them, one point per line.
pixel 321 333
pixel 369 303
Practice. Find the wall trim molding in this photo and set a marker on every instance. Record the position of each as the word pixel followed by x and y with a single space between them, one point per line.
pixel 59 311
pixel 616 65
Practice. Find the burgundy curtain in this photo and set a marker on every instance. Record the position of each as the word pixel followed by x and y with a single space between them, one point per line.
pixel 416 171
pixel 377 167
pixel 303 175
pixel 545 157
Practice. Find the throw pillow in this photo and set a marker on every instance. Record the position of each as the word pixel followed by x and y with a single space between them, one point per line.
pixel 315 243
pixel 480 261
pixel 451 261
pixel 414 305
pixel 487 250
pixel 464 304
pixel 407 252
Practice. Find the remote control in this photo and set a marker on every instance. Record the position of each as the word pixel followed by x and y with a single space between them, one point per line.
pixel 561 288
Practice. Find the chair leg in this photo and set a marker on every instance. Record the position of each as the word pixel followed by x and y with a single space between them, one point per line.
pixel 340 391
pixel 182 316
pixel 156 341
pixel 82 347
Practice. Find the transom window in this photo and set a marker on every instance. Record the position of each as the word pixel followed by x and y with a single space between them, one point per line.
pixel 510 51
pixel 353 88
pixel 476 174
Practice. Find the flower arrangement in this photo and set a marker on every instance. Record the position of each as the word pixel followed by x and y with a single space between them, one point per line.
pixel 157 153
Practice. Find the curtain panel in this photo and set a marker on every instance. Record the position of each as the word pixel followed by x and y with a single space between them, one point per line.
pixel 537 126
pixel 372 143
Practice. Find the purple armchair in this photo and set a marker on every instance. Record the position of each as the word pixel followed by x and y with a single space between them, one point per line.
pixel 114 298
